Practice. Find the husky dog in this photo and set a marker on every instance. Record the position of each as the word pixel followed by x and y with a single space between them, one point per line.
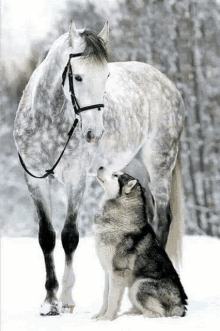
pixel 131 255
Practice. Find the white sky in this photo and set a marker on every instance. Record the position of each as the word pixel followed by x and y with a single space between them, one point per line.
pixel 25 20
pixel 22 21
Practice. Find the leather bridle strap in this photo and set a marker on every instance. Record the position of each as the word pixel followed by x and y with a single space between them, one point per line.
pixel 67 65
pixel 77 110
pixel 50 171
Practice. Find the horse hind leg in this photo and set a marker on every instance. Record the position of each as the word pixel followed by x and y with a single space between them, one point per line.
pixel 70 239
pixel 175 237
pixel 165 185
pixel 160 163
pixel 40 192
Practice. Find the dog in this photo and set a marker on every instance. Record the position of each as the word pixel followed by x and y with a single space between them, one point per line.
pixel 131 255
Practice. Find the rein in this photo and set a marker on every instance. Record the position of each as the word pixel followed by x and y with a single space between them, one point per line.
pixel 77 110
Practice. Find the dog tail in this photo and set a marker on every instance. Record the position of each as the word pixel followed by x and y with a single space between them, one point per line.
pixel 175 237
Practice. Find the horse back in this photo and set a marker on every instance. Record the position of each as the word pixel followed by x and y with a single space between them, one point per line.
pixel 141 101
pixel 147 94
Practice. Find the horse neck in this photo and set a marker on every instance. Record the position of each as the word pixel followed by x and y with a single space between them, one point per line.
pixel 48 95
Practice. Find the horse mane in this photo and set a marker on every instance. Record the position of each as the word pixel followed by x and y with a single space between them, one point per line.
pixel 95 47
pixel 43 55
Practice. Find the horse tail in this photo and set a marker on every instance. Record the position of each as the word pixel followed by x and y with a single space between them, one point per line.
pixel 175 238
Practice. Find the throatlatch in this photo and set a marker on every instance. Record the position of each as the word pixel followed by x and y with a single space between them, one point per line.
pixel 77 110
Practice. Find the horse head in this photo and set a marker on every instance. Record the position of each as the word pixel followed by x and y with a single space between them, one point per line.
pixel 89 72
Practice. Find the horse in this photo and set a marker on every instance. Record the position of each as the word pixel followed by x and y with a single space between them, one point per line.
pixel 79 112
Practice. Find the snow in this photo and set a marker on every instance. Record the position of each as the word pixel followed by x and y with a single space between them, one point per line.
pixel 23 277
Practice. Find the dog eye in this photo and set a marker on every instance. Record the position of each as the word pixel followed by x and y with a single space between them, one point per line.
pixel 115 175
pixel 108 75
pixel 78 78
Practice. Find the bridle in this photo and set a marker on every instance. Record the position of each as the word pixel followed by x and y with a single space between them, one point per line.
pixel 77 110
pixel 75 104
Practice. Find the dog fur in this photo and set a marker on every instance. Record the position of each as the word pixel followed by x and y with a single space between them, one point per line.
pixel 130 254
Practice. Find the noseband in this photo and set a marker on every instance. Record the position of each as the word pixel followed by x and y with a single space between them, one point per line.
pixel 77 110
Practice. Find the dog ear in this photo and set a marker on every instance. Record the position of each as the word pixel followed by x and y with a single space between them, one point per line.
pixel 128 187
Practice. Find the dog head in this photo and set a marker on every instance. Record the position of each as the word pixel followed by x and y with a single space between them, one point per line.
pixel 116 184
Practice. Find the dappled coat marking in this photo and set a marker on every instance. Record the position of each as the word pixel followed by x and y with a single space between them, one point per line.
pixel 130 253
pixel 142 119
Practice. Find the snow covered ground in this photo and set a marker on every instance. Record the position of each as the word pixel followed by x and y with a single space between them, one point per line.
pixel 23 278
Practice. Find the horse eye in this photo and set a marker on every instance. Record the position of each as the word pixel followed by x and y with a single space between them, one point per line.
pixel 108 75
pixel 78 78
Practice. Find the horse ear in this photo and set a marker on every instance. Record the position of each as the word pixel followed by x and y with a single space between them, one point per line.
pixel 73 34
pixel 104 34
pixel 129 186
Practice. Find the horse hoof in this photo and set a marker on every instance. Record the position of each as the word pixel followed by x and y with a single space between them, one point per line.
pixel 68 308
pixel 48 309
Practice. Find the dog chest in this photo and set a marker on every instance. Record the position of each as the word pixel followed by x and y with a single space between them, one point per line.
pixel 105 252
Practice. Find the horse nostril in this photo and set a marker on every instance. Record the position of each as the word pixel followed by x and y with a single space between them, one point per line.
pixel 89 136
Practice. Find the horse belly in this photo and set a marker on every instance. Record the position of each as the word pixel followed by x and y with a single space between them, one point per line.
pixel 126 130
pixel 116 152
pixel 142 107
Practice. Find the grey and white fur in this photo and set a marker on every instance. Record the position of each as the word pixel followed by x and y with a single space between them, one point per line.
pixel 131 255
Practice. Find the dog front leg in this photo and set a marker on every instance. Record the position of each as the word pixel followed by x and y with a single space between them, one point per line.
pixel 115 294
pixel 105 299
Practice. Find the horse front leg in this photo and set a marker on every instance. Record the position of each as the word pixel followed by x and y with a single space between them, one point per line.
pixel 40 192
pixel 70 238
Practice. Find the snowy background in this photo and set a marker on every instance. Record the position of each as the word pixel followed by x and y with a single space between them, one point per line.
pixel 181 38
pixel 23 278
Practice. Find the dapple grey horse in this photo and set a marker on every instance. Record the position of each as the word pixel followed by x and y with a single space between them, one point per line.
pixel 126 111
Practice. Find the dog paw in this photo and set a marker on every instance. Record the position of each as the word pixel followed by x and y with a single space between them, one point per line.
pixel 100 314
pixel 106 318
